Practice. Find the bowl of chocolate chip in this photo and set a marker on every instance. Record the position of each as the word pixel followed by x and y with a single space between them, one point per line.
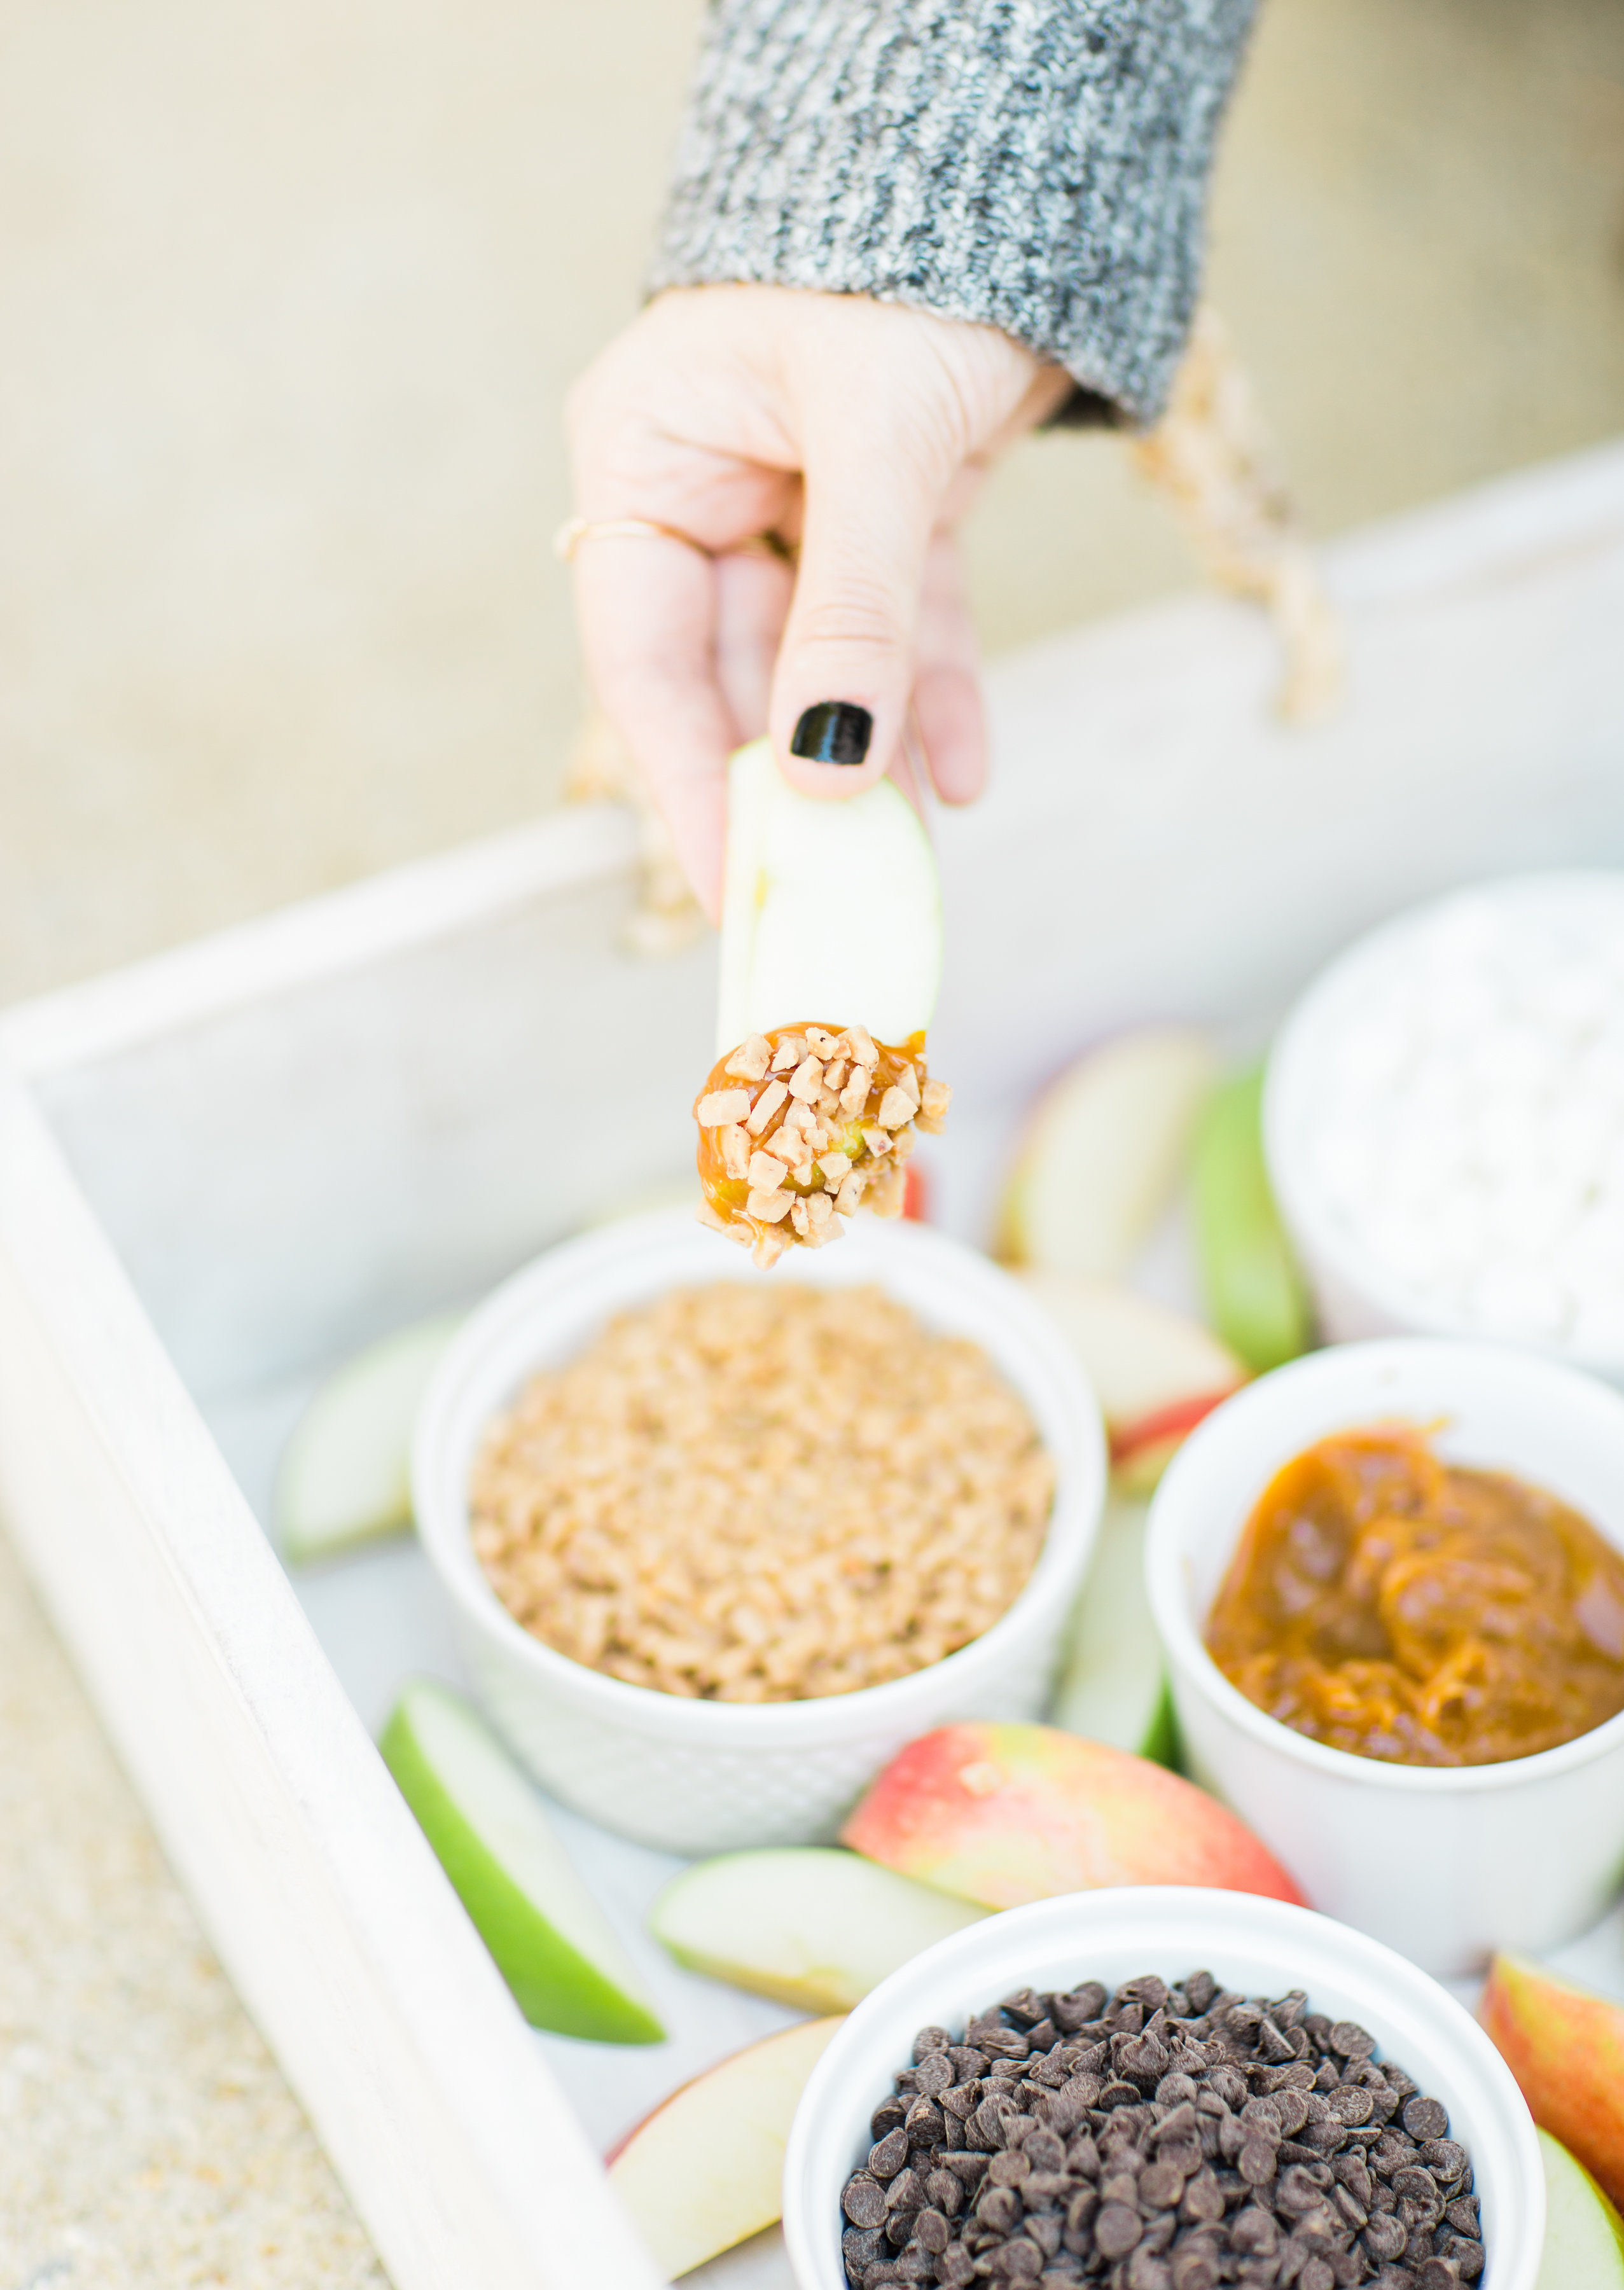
pixel 1161 2088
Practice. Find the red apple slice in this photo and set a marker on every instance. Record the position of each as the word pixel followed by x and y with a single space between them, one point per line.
pixel 1007 1814
pixel 1156 1372
pixel 706 2169
pixel 1104 1149
pixel 1566 2047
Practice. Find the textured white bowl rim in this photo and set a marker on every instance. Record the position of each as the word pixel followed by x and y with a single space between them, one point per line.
pixel 1075 1441
pixel 1292 1084
pixel 1168 1921
pixel 1354 1367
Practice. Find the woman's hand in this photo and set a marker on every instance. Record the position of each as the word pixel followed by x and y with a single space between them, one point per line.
pixel 854 428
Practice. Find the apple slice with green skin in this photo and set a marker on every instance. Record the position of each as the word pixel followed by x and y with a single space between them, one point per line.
pixel 1003 1815
pixel 831 911
pixel 1566 2047
pixel 344 1474
pixel 1104 1149
pixel 1156 1372
pixel 1584 2234
pixel 807 1925
pixel 1113 1688
pixel 706 2169
pixel 1254 1291
pixel 551 1941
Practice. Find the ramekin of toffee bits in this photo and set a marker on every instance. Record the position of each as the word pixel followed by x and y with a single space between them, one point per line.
pixel 1162 2128
pixel 837 1643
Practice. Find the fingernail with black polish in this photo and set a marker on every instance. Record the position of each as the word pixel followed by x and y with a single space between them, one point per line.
pixel 834 732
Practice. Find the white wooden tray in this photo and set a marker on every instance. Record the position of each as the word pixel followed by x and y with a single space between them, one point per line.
pixel 221 1170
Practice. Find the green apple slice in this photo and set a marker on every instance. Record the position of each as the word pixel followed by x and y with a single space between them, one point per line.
pixel 808 1925
pixel 1584 2234
pixel 705 2170
pixel 344 1474
pixel 551 1941
pixel 1254 1291
pixel 831 911
pixel 1113 1688
pixel 1105 1147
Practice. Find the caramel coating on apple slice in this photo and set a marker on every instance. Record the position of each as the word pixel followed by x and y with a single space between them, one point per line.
pixel 800 1126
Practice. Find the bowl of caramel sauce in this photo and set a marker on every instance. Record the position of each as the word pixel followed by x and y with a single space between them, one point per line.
pixel 1390 1581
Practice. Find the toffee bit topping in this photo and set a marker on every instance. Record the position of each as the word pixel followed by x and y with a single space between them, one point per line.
pixel 720 1106
pixel 766 1106
pixel 826 1120
pixel 750 1061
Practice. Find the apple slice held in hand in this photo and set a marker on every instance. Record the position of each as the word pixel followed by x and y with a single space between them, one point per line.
pixel 551 1941
pixel 344 1474
pixel 807 1925
pixel 1003 1815
pixel 706 2169
pixel 1584 2234
pixel 1105 1147
pixel 1566 2047
pixel 831 910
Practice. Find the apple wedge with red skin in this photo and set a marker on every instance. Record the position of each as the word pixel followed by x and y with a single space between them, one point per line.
pixel 1003 1815
pixel 1566 2047
pixel 1156 1372
pixel 706 2169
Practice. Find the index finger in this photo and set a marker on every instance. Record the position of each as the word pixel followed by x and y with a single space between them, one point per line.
pixel 647 609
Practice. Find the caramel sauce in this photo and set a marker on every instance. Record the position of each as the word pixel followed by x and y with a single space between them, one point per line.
pixel 846 1127
pixel 1397 1607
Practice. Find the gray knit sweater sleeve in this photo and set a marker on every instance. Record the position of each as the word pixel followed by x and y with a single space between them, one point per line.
pixel 1039 166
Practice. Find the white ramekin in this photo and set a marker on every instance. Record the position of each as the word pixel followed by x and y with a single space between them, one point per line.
pixel 1354 1295
pixel 1264 1948
pixel 709 1776
pixel 1443 1863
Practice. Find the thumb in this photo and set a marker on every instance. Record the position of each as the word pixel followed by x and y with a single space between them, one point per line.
pixel 845 668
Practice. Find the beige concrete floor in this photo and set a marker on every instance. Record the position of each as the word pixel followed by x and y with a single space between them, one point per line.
pixel 289 298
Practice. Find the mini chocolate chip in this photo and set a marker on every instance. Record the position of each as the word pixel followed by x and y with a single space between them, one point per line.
pixel 1117 2229
pixel 1445 2158
pixel 886 2117
pixel 1044 2149
pixel 1462 2215
pixel 863 2201
pixel 930 2039
pixel 1008 2170
pixel 1256 2162
pixel 859 2246
pixel 1161 2188
pixel 905 2194
pixel 1203 2199
pixel 1384 2237
pixel 932 2232
pixel 999 2208
pixel 1350 2104
pixel 887 2157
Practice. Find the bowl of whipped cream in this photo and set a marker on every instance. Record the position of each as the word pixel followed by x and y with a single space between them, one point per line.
pixel 1444 1122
